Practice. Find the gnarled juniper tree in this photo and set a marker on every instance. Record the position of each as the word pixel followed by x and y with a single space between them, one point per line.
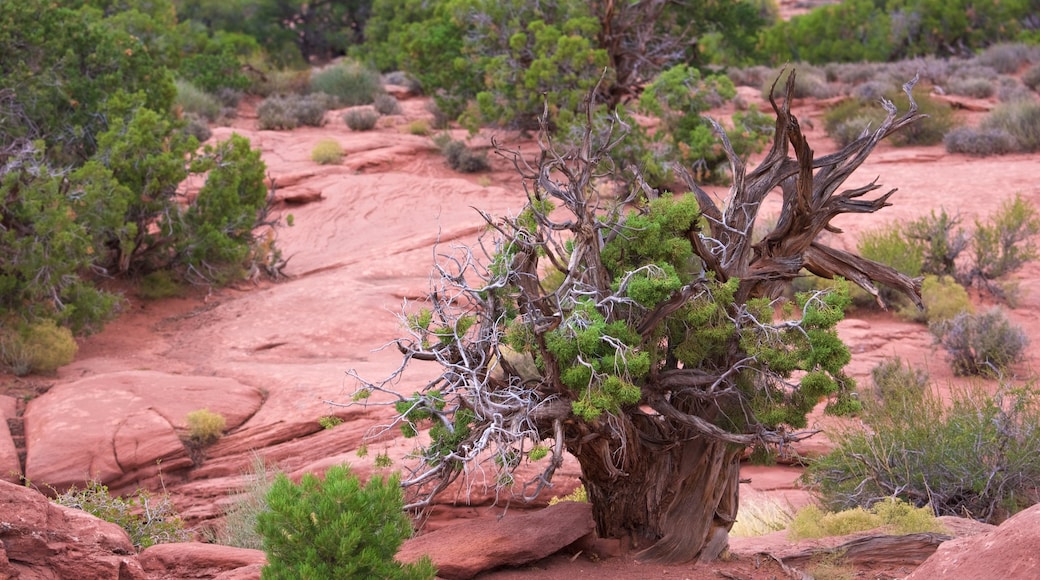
pixel 645 337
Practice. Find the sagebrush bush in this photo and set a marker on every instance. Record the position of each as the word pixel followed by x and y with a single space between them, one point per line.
pixel 147 519
pixel 1006 58
pixel 808 82
pixel 892 378
pixel 282 82
pixel 974 87
pixel 846 120
pixel 335 528
pixel 1005 241
pixel 1021 119
pixel 1031 77
pixel 979 142
pixel 981 344
pixel 973 455
pixel 460 157
pixel 364 119
pixel 292 111
pixel 191 99
pixel 349 82
pixel 386 105
pixel 889 245
pixel 403 79
pixel 242 514
pixel 197 127
pixel 327 152
pixel 205 427
pixel 39 347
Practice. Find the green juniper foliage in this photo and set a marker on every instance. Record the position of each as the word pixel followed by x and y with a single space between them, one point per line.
pixel 336 528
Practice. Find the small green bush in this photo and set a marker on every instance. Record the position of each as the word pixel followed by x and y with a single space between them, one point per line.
pixel 159 284
pixel 191 99
pixel 292 111
pixel 361 119
pixel 981 344
pixel 205 427
pixel 147 519
pixel 330 422
pixel 349 82
pixel 327 152
pixel 972 455
pixel 386 105
pixel 420 127
pixel 979 142
pixel 1021 119
pixel 898 515
pixel 335 528
pixel 460 157
pixel 944 299
pixel 579 495
pixel 892 378
pixel 39 347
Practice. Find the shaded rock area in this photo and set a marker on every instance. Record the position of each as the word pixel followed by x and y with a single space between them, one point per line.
pixel 463 550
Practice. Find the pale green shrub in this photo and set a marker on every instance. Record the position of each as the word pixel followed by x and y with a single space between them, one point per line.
pixel 40 347
pixel 147 519
pixel 361 119
pixel 205 427
pixel 327 152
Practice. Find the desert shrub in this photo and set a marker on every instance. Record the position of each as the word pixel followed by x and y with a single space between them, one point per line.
pixel 1006 58
pixel 197 127
pixel 420 127
pixel 387 105
pixel 898 515
pixel 944 299
pixel 980 344
pixel 327 152
pixel 852 73
pixel 159 284
pixel 147 519
pixel 974 457
pixel 291 111
pixel 330 421
pixel 979 142
pixel 335 528
pixel 579 495
pixel 205 427
pixel 940 240
pixel 1021 119
pixel 242 514
pixel 872 90
pixel 1031 77
pixel 349 82
pixel 1004 243
pixel 892 378
pixel 403 79
pixel 845 121
pixel 39 347
pixel 361 119
pixel 282 82
pixel 975 87
pixel 459 156
pixel 808 82
pixel 194 100
pixel 1011 91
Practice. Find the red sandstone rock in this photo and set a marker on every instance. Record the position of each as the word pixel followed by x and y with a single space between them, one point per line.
pixel 464 550
pixel 1007 552
pixel 185 560
pixel 43 540
pixel 122 427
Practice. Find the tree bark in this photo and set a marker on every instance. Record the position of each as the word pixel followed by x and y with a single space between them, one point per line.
pixel 671 493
